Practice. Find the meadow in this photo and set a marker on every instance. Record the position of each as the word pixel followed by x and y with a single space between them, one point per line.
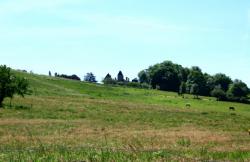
pixel 65 120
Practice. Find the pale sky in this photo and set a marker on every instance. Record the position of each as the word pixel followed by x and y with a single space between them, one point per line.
pixel 105 36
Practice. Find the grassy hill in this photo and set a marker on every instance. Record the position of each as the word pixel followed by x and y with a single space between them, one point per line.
pixel 65 120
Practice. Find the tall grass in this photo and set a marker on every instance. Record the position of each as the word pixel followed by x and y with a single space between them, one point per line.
pixel 66 120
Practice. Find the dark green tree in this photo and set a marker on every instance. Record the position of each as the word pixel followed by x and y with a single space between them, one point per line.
pixel 90 77
pixel 182 88
pixel 196 79
pixel 222 80
pixel 237 90
pixel 108 80
pixel 194 90
pixel 166 76
pixel 210 85
pixel 144 77
pixel 108 76
pixel 219 93
pixel 11 84
pixel 173 77
pixel 184 72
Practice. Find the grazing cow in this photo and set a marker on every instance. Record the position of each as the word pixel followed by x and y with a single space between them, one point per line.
pixel 188 105
pixel 232 108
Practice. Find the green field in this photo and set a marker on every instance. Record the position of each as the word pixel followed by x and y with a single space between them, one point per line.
pixel 66 120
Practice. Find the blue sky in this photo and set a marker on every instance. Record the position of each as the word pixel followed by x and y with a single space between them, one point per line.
pixel 105 36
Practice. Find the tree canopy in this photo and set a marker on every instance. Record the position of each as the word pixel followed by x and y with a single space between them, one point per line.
pixel 144 77
pixel 238 91
pixel 219 93
pixel 90 77
pixel 222 80
pixel 169 76
pixel 166 76
pixel 11 84
pixel 72 77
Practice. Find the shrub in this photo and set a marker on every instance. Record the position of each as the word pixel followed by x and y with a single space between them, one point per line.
pixel 146 86
pixel 134 84
pixel 72 77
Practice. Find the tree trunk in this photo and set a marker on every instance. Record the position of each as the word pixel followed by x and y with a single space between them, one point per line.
pixel 10 102
pixel 1 102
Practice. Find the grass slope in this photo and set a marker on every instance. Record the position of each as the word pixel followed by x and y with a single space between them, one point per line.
pixel 66 120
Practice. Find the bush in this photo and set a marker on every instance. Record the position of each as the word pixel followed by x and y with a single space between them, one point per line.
pixel 134 84
pixel 72 77
pixel 146 86
pixel 109 81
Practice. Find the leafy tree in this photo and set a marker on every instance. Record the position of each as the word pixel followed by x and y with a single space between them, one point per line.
pixel 222 80
pixel 144 77
pixel 108 76
pixel 11 84
pixel 210 85
pixel 165 76
pixel 196 79
pixel 173 77
pixel 219 93
pixel 238 90
pixel 108 80
pixel 194 90
pixel 90 77
pixel 182 88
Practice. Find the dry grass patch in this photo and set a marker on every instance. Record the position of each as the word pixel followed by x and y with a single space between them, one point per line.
pixel 28 122
pixel 147 138
pixel 84 132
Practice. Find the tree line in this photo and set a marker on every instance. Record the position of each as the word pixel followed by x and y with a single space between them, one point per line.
pixel 89 77
pixel 168 76
pixel 120 80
